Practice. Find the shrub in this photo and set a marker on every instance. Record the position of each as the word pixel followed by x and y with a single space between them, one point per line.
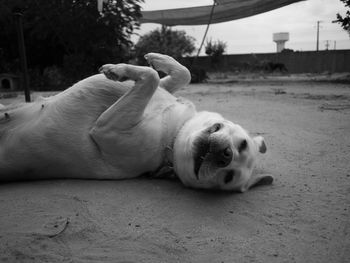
pixel 174 43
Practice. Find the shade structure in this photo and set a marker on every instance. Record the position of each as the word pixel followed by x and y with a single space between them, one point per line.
pixel 224 10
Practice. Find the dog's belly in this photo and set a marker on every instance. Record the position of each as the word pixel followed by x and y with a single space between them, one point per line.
pixel 50 138
pixel 41 143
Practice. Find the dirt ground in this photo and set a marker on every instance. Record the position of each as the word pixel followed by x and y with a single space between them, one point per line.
pixel 302 217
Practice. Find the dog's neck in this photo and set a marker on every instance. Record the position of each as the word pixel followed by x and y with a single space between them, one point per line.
pixel 172 125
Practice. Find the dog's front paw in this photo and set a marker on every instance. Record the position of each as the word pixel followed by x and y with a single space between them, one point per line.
pixel 161 62
pixel 114 72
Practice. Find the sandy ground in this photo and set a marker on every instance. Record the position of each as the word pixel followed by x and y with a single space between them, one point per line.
pixel 302 217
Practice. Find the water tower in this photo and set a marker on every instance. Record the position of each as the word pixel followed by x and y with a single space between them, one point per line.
pixel 280 39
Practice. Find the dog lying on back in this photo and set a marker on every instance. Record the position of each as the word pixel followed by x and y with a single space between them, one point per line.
pixel 102 128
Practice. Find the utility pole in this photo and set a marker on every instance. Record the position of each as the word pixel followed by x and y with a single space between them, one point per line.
pixel 327 44
pixel 318 35
pixel 335 44
pixel 22 54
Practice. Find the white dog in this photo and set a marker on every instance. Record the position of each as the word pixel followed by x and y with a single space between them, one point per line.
pixel 101 128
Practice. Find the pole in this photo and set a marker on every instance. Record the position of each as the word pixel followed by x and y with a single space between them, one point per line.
pixel 22 55
pixel 205 34
pixel 206 30
pixel 318 35
pixel 327 44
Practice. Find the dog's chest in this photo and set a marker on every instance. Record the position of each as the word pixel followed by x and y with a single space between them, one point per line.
pixel 164 115
pixel 163 118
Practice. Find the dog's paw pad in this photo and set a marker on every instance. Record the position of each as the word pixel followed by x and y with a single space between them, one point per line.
pixel 108 71
pixel 160 62
pixel 114 72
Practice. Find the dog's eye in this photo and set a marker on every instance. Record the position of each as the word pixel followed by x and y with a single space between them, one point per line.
pixel 229 176
pixel 216 127
pixel 242 146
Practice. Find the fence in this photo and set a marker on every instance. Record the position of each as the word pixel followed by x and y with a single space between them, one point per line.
pixel 296 62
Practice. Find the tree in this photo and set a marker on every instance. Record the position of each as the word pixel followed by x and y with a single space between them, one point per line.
pixel 69 32
pixel 174 43
pixel 215 49
pixel 344 21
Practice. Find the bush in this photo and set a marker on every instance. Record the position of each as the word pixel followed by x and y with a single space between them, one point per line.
pixel 215 49
pixel 76 67
pixel 174 43
pixel 53 77
pixel 198 75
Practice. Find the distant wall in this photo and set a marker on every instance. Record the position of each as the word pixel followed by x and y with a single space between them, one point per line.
pixel 296 62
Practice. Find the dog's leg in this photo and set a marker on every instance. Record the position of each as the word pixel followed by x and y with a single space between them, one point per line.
pixel 178 75
pixel 128 110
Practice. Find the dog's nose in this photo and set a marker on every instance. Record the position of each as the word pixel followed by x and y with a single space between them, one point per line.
pixel 223 156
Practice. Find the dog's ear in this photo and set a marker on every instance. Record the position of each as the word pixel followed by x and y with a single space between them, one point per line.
pixel 257 180
pixel 260 144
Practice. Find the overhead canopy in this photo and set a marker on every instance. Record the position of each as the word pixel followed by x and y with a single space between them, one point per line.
pixel 224 10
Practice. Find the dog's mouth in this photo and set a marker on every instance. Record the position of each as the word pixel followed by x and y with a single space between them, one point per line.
pixel 202 147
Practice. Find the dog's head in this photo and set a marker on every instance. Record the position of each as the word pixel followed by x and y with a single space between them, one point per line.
pixel 213 153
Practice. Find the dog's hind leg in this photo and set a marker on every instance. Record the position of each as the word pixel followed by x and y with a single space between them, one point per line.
pixel 127 111
pixel 178 75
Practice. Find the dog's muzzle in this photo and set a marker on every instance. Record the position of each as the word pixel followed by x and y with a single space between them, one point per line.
pixel 210 150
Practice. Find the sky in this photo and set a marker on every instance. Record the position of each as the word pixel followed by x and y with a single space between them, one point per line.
pixel 254 34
